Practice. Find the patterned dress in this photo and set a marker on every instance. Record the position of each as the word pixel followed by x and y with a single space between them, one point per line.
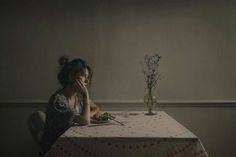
pixel 59 117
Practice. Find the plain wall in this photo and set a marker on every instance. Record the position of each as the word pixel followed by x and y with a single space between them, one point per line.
pixel 195 38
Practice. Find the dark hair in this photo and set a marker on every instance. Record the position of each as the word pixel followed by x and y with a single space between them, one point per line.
pixel 69 70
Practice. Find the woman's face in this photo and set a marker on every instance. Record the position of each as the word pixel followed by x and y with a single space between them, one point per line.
pixel 84 76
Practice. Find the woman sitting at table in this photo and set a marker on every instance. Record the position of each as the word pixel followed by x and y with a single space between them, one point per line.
pixel 70 104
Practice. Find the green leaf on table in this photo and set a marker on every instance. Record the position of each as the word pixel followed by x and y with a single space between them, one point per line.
pixel 105 116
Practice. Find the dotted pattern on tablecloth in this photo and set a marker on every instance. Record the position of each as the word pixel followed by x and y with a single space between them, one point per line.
pixel 160 125
pixel 142 135
pixel 163 148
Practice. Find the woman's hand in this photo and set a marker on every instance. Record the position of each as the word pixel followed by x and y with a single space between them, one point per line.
pixel 97 114
pixel 80 87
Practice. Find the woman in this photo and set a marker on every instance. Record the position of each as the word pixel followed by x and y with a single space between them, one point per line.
pixel 71 104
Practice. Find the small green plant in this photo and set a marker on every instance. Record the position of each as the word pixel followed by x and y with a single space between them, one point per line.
pixel 105 116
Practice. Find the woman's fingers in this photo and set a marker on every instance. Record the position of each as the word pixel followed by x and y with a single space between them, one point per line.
pixel 77 85
pixel 81 87
pixel 80 84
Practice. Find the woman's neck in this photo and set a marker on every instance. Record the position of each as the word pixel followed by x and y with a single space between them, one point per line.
pixel 69 92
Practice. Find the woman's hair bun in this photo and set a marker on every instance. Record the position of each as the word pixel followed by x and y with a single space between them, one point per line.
pixel 63 60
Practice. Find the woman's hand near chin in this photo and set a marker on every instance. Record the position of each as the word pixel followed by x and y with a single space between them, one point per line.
pixel 81 88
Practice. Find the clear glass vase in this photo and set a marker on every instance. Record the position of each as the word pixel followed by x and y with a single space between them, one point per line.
pixel 150 102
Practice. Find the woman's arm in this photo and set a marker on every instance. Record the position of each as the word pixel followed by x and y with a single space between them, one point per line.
pixel 84 118
pixel 86 109
pixel 80 120
pixel 94 112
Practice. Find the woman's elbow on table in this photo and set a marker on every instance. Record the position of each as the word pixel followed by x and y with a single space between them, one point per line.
pixel 81 120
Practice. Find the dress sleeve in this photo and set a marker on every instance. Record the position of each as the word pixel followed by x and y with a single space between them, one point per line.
pixel 61 104
pixel 63 113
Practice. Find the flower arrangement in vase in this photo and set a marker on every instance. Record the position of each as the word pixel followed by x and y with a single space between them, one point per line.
pixel 151 77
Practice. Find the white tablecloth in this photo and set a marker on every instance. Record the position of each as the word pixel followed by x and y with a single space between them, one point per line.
pixel 141 136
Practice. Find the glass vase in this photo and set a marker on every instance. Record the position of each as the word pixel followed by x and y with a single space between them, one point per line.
pixel 150 102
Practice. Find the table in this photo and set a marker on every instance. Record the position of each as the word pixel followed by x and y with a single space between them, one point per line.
pixel 142 136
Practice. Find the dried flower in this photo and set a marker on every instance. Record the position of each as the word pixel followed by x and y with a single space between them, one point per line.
pixel 150 70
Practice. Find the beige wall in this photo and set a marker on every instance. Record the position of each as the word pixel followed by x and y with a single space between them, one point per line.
pixel 196 40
